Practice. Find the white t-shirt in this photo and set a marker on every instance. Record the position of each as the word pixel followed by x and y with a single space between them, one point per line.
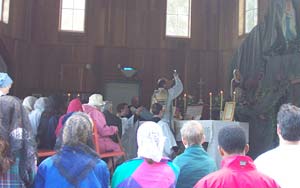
pixel 282 164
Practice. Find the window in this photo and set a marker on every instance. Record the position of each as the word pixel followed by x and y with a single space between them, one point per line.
pixel 72 15
pixel 4 10
pixel 248 15
pixel 178 19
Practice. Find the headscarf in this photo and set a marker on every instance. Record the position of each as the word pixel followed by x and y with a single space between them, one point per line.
pixel 5 80
pixel 74 106
pixel 76 159
pixel 150 141
pixel 28 103
pixel 15 129
pixel 40 106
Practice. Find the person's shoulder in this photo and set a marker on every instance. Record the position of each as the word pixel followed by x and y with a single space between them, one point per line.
pixel 182 158
pixel 268 155
pixel 170 164
pixel 47 163
pixel 210 179
pixel 101 163
pixel 266 180
pixel 131 162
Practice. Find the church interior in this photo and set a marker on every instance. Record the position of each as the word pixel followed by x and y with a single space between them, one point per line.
pixel 120 48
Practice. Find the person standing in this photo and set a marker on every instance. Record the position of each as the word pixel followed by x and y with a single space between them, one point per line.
pixel 238 170
pixel 165 94
pixel 17 145
pixel 282 163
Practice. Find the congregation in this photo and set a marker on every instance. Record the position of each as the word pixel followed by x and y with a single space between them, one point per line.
pixel 151 154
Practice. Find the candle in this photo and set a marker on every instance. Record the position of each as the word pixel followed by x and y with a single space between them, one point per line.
pixel 184 101
pixel 234 96
pixel 69 96
pixel 210 104
pixel 221 105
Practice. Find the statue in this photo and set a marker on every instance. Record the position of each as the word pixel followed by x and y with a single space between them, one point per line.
pixel 283 27
pixel 236 86
pixel 271 48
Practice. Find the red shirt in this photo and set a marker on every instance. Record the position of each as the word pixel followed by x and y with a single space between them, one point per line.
pixel 237 171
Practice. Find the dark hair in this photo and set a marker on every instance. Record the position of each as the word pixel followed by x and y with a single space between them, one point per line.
pixel 288 119
pixel 121 106
pixel 232 139
pixel 5 160
pixel 162 83
pixel 156 108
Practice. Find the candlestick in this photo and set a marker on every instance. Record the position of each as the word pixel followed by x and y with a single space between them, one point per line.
pixel 210 104
pixel 221 105
pixel 184 102
pixel 69 96
pixel 234 96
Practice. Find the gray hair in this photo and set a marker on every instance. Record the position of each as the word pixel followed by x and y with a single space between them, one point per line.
pixel 107 106
pixel 192 132
pixel 77 129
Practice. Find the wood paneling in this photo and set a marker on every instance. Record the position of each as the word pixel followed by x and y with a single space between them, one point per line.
pixel 126 32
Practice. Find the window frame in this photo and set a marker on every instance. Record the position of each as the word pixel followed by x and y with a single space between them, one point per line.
pixel 2 11
pixel 242 17
pixel 189 23
pixel 72 31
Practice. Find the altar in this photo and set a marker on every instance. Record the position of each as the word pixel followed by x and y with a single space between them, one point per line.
pixel 211 130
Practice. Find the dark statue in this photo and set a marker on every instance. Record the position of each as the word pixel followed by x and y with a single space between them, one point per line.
pixel 269 61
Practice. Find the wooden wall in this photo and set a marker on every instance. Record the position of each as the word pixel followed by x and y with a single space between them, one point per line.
pixel 126 32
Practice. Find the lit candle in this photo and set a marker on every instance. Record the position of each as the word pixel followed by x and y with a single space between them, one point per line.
pixel 210 104
pixel 234 96
pixel 69 96
pixel 221 105
pixel 184 101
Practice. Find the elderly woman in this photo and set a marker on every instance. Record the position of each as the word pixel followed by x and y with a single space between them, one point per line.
pixel 150 169
pixel 40 106
pixel 76 164
pixel 93 108
pixel 28 103
pixel 17 147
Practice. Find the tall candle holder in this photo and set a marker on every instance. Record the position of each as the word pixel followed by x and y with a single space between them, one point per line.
pixel 184 102
pixel 234 96
pixel 221 104
pixel 210 105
